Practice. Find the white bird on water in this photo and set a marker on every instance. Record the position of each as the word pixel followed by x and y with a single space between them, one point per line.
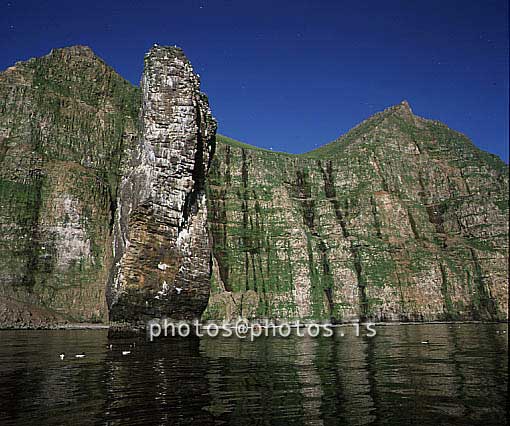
pixel 178 290
pixel 62 356
pixel 82 355
pixel 425 342
pixel 126 352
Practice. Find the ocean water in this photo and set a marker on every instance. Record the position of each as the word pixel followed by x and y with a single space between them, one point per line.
pixel 459 378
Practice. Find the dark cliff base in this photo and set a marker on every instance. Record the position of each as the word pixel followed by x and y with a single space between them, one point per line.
pixel 129 330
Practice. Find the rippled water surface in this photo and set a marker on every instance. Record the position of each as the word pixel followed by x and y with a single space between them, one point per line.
pixel 460 377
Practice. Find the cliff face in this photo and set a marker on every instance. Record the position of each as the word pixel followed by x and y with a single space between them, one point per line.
pixel 162 249
pixel 400 219
pixel 113 198
pixel 102 212
pixel 65 119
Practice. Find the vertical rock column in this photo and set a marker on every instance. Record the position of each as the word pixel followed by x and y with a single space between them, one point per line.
pixel 162 250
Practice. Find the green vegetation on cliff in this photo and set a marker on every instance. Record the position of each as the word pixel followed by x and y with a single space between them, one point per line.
pixel 399 219
pixel 65 121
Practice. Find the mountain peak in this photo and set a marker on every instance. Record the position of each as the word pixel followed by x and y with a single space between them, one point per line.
pixel 76 50
pixel 405 105
pixel 403 109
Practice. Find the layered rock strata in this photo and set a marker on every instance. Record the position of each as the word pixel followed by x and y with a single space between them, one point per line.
pixel 112 199
pixel 102 207
pixel 401 219
pixel 65 120
pixel 162 250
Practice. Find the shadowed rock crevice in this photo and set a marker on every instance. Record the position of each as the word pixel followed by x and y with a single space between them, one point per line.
pixel 33 249
pixel 304 194
pixel 484 304
pixel 449 313
pixel 331 195
pixel 361 284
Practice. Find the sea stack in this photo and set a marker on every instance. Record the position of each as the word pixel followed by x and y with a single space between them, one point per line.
pixel 161 242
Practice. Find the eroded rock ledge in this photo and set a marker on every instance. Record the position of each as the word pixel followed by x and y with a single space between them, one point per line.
pixel 162 253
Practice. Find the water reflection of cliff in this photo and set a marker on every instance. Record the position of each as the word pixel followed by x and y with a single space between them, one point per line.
pixel 423 374
pixel 159 383
pixel 459 377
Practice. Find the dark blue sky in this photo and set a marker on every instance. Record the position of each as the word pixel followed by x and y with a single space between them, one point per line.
pixel 292 75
